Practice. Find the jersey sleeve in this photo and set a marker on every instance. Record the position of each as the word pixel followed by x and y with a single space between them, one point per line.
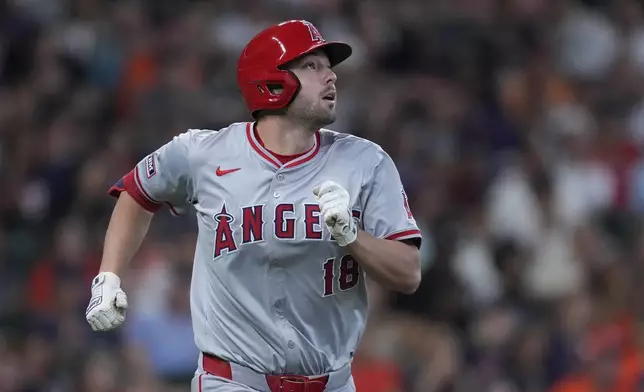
pixel 162 177
pixel 386 212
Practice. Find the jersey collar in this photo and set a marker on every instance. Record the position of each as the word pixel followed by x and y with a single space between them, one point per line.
pixel 272 160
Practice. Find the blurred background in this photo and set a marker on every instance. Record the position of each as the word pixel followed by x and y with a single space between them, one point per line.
pixel 517 127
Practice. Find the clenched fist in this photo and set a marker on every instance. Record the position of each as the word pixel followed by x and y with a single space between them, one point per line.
pixel 334 208
pixel 106 309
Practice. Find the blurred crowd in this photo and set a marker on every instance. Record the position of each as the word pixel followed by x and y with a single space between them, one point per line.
pixel 517 127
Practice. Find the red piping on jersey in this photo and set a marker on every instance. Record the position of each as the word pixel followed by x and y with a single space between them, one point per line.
pixel 147 195
pixel 282 158
pixel 172 209
pixel 257 148
pixel 140 187
pixel 129 186
pixel 307 157
pixel 270 157
pixel 132 185
pixel 402 234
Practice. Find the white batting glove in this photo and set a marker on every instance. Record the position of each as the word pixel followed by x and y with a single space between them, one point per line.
pixel 106 309
pixel 334 209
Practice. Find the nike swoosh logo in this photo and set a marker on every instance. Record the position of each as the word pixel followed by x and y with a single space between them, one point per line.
pixel 221 172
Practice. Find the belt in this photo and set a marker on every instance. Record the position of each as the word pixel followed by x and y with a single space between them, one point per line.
pixel 276 383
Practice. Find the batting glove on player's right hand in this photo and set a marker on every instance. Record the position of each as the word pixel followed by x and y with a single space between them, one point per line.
pixel 106 309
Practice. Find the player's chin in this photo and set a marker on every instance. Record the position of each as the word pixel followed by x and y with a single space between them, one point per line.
pixel 326 115
pixel 326 118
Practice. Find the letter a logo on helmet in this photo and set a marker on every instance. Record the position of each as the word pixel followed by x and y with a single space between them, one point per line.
pixel 315 34
pixel 261 77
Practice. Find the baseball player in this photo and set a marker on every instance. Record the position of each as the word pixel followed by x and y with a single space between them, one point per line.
pixel 292 217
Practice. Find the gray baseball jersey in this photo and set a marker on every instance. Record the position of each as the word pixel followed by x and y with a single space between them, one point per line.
pixel 271 289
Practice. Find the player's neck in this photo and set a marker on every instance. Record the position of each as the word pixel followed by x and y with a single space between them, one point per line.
pixel 283 137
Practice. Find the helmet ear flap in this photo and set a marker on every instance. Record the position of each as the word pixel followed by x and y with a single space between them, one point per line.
pixel 277 93
pixel 295 84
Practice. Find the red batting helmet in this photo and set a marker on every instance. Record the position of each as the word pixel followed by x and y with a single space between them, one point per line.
pixel 259 69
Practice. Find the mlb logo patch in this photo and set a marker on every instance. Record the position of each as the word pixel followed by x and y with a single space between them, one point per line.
pixel 150 166
pixel 406 204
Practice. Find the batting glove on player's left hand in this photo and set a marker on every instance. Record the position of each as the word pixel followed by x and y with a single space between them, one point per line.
pixel 334 209
pixel 106 309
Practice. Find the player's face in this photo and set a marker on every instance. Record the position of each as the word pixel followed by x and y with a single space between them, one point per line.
pixel 316 100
